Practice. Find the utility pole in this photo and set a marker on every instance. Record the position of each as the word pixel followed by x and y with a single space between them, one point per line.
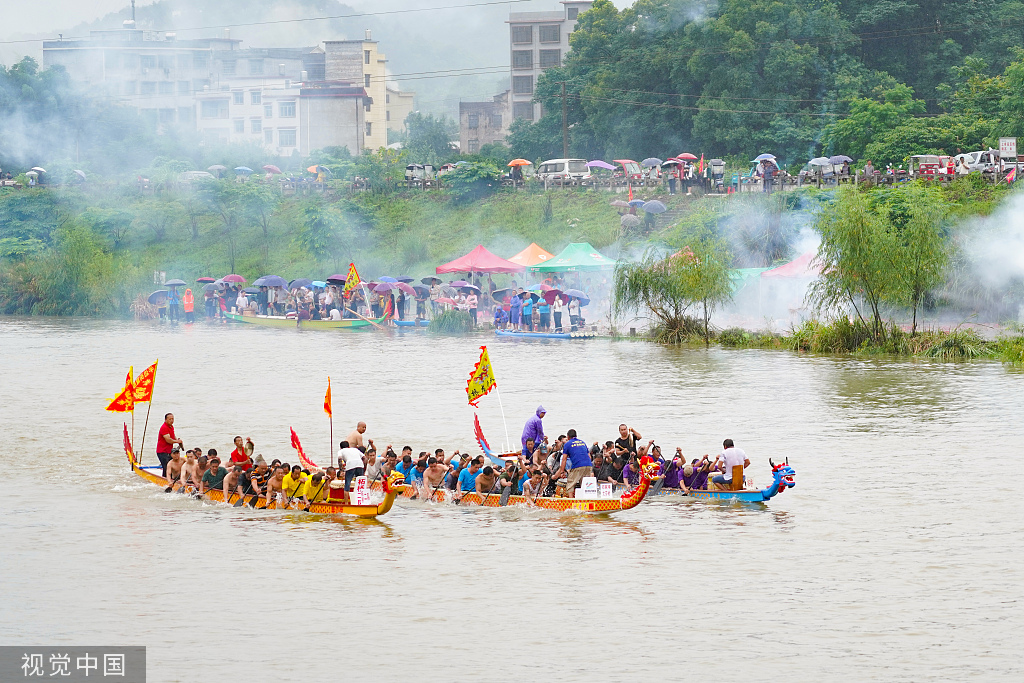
pixel 565 127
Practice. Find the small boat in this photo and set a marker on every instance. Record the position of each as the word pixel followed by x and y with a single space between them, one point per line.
pixel 392 487
pixel 782 479
pixel 283 321
pixel 545 335
pixel 411 323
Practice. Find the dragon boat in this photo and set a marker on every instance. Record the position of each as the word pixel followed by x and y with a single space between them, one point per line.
pixel 544 335
pixel 782 479
pixel 284 321
pixel 392 487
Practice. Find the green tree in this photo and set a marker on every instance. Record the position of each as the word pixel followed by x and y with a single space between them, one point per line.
pixel 383 169
pixel 429 138
pixel 870 117
pixel 224 198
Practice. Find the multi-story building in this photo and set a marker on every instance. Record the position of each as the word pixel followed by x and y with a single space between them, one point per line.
pixel 397 105
pixel 481 123
pixel 359 61
pixel 538 41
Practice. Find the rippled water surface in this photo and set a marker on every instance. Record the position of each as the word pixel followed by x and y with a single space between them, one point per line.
pixel 898 556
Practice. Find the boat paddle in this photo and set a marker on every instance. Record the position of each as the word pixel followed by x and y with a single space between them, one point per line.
pixel 506 491
pixel 379 327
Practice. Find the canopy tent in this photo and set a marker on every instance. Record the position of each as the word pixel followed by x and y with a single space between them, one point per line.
pixel 741 277
pixel 532 255
pixel 802 266
pixel 575 257
pixel 480 261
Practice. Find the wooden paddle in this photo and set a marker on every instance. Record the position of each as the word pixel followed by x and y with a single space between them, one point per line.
pixel 507 491
pixel 379 327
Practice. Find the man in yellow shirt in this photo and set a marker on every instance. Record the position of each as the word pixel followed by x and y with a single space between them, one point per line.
pixel 316 488
pixel 294 484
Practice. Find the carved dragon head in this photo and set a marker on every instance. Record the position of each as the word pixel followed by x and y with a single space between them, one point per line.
pixel 784 474
pixel 393 482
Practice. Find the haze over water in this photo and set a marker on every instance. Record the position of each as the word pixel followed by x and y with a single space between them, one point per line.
pixel 897 557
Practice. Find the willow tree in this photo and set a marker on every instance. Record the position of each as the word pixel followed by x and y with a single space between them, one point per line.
pixel 681 290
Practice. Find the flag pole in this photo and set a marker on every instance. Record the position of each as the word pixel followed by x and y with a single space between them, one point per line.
pixel 505 424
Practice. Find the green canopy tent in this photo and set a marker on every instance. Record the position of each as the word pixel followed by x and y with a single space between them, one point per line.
pixel 578 256
pixel 741 277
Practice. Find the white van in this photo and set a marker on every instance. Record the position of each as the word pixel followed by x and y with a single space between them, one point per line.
pixel 565 169
pixel 983 160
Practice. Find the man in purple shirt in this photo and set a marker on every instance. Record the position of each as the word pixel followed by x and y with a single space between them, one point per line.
pixel 534 428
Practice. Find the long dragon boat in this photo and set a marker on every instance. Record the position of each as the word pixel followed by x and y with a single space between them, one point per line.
pixel 284 321
pixel 782 479
pixel 392 487
pixel 544 335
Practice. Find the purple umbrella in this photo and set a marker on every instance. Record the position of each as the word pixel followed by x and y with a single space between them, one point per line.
pixel 385 287
pixel 597 163
pixel 385 278
pixel 460 283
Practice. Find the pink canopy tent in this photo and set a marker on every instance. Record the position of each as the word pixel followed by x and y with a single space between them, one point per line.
pixel 800 267
pixel 480 261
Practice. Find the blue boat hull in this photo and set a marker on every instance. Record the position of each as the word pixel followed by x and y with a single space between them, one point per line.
pixel 544 335
pixel 411 323
pixel 782 479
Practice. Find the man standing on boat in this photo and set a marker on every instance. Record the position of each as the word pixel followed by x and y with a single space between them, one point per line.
pixel 625 445
pixel 355 439
pixel 576 463
pixel 165 441
pixel 730 457
pixel 534 428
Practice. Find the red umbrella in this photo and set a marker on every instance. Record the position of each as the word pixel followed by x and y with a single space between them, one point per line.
pixel 686 155
pixel 270 168
pixel 206 279
pixel 550 295
pixel 445 300
pixel 232 278
pixel 407 288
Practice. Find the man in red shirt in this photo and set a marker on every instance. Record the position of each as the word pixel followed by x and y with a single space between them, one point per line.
pixel 165 441
pixel 239 457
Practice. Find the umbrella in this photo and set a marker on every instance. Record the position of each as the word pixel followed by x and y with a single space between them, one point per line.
pixel 313 169
pixel 672 162
pixel 407 288
pixel 636 202
pixel 444 300
pixel 270 168
pixel 385 278
pixel 384 287
pixel 271 281
pixel 421 290
pixel 459 283
pixel 404 278
pixel 651 162
pixel 473 287
pixel 597 163
pixel 80 174
pixel 619 203
pixel 655 206
pixel 819 161
pixel 244 170
pixel 520 162
pixel 319 283
pixel 575 293
pixel 430 280
pixel 39 169
pixel 212 287
pixel 630 221
pixel 500 293
pixel 686 155
pixel 32 173
pixel 251 290
pixel 300 282
pixel 217 167
pixel 762 157
pixel 338 277
pixel 158 297
pixel 232 278
pixel 205 279
pixel 840 159
pixel 175 283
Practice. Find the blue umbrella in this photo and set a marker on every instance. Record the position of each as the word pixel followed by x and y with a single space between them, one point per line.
pixel 651 162
pixel 637 202
pixel 577 294
pixel 762 157
pixel 300 282
pixel 654 206
pixel 244 170
pixel 385 278
pixel 319 283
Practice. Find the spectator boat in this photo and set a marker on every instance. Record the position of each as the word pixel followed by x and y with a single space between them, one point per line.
pixel 391 488
pixel 285 321
pixel 545 335
pixel 782 479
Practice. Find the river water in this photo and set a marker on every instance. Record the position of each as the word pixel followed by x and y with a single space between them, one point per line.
pixel 897 557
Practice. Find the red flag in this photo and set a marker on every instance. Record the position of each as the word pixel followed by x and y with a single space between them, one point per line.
pixel 700 168
pixel 144 383
pixel 327 401
pixel 306 462
pixel 124 402
pixel 630 193
pixel 1011 176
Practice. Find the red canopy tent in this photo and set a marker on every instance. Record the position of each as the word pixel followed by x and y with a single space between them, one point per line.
pixel 480 261
pixel 802 266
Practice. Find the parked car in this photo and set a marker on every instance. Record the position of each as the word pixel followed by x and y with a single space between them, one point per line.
pixel 983 160
pixel 563 169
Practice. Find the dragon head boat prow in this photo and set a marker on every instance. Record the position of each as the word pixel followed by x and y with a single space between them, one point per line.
pixel 782 477
pixel 394 482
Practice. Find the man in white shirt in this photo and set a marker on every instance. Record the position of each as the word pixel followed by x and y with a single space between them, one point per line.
pixel 351 460
pixel 729 458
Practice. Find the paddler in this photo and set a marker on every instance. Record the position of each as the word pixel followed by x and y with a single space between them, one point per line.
pixel 275 487
pixel 576 463
pixel 534 428
pixel 174 466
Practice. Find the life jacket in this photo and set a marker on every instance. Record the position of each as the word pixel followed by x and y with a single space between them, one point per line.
pixel 188 301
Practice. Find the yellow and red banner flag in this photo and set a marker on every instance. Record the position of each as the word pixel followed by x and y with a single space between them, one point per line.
pixel 327 400
pixel 352 280
pixel 124 402
pixel 481 380
pixel 143 385
pixel 306 462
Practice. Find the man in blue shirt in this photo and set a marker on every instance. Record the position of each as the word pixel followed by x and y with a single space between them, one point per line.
pixel 576 463
pixel 467 478
pixel 406 467
pixel 528 312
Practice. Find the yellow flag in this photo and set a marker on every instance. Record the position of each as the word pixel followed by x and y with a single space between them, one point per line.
pixel 481 380
pixel 352 281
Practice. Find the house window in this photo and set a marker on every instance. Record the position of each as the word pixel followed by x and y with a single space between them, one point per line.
pixel 149 116
pixel 474 146
pixel 256 67
pixel 166 87
pixel 199 61
pixel 239 125
pixel 238 97
pixel 200 84
pixel 184 61
pixel 522 59
pixel 523 110
pixel 166 116
pixel 286 110
pixel 228 68
pixel 387 98
pixel 572 13
pixel 549 58
pixel 522 35
pixel 166 61
pixel 268 136
pixel 148 88
pixel 147 61
pixel 495 121
pixel 184 87
pixel 366 80
pixel 286 137
pixel 214 109
pixel 255 97
pixel 548 33
pixel 366 56
pixel 522 85
pixel 473 121
pixel 387 116
pixel 184 114
pixel 268 111
pixel 129 87
pixel 369 129
pixel 366 106
pixel 256 125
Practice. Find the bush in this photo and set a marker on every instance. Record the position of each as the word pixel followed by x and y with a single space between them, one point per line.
pixel 452 322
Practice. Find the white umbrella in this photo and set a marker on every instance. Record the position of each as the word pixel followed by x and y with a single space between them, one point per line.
pixel 819 161
pixel 39 169
pixel 31 173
